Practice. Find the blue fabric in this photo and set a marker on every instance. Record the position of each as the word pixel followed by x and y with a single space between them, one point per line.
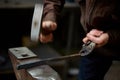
pixel 94 67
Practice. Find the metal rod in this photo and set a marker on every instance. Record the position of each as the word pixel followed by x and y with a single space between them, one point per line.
pixel 87 48
pixel 45 61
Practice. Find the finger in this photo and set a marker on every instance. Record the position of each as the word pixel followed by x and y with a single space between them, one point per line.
pixel 46 24
pixel 96 32
pixel 46 38
pixel 85 40
pixel 49 25
pixel 93 38
pixel 104 38
pixel 100 41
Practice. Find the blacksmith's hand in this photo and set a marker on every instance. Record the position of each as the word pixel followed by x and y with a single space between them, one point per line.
pixel 46 34
pixel 97 36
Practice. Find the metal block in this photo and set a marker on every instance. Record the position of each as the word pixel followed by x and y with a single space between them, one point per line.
pixel 22 52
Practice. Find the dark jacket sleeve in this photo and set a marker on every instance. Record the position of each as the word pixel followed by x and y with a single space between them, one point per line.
pixel 52 9
pixel 114 32
pixel 113 45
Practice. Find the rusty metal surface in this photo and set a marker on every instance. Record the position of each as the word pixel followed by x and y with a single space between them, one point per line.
pixel 39 72
pixel 22 52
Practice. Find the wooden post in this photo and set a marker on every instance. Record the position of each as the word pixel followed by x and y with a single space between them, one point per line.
pixel 22 54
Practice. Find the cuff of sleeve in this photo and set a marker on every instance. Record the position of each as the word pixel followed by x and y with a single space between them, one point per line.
pixel 50 17
pixel 110 37
pixel 113 37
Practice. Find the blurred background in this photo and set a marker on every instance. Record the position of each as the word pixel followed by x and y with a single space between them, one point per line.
pixel 15 27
